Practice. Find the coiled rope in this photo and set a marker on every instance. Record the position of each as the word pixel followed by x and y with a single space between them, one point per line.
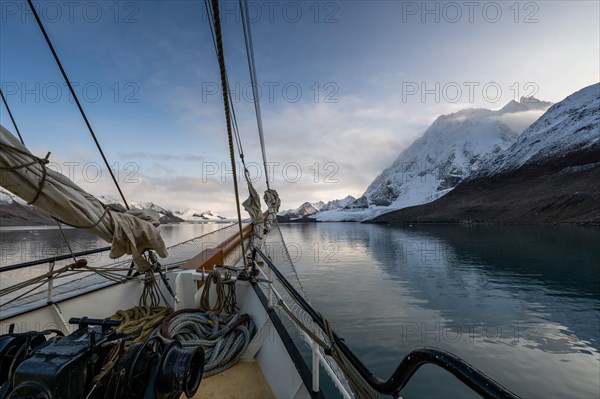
pixel 146 317
pixel 224 338
pixel 225 288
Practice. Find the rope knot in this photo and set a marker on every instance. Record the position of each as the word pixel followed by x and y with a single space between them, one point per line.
pixel 46 159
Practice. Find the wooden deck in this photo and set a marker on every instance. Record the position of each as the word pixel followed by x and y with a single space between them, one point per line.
pixel 245 380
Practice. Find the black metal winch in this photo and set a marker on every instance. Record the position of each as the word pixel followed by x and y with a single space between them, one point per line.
pixel 96 362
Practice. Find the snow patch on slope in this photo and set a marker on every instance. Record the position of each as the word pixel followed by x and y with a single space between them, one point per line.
pixel 191 215
pixel 448 152
pixel 8 198
pixel 569 126
pixel 312 208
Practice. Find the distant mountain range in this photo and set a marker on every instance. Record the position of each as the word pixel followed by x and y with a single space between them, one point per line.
pixel 15 212
pixel 311 208
pixel 191 215
pixel 450 150
pixel 551 174
pixel 169 216
pixel 529 162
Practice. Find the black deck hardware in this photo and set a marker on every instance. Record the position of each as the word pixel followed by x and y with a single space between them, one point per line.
pixel 84 322
pixel 95 362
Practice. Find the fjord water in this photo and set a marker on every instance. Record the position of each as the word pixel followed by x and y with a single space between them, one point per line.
pixel 23 244
pixel 521 303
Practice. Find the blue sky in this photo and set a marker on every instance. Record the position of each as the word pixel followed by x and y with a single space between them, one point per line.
pixel 342 85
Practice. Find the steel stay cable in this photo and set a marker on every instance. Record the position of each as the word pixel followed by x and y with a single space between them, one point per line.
pixel 253 80
pixel 70 86
pixel 11 116
pixel 236 132
pixel 222 70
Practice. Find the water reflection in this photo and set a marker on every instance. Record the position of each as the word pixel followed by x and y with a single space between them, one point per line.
pixel 19 245
pixel 521 303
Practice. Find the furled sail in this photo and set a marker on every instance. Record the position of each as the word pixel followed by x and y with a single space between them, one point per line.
pixel 27 176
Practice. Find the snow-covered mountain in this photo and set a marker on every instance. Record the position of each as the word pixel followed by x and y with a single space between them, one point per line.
pixel 8 198
pixel 192 215
pixel 304 210
pixel 450 150
pixel 549 175
pixel 311 208
pixel 525 104
pixel 169 216
pixel 338 204
pixel 166 216
pixel 15 212
pixel 569 126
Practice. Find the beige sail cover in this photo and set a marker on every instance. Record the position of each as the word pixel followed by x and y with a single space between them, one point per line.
pixel 27 176
pixel 252 206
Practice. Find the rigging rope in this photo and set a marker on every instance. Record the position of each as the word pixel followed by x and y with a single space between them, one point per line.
pixel 223 338
pixel 323 337
pixel 253 79
pixel 224 86
pixel 145 317
pixel 11 116
pixel 252 204
pixel 43 165
pixel 225 289
pixel 68 82
pixel 357 382
pixel 35 160
pixel 71 269
pixel 236 131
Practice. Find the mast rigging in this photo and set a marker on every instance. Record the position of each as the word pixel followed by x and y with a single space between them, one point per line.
pixel 68 82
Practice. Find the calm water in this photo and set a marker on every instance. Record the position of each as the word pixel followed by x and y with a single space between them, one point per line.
pixel 520 303
pixel 21 244
pixel 24 244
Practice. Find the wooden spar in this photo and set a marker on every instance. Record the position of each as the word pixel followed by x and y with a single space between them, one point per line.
pixel 208 258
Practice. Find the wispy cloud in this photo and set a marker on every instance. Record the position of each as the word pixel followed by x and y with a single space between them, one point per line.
pixel 162 156
pixel 174 140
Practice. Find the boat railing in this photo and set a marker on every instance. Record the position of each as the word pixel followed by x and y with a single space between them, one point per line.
pixel 101 271
pixel 51 260
pixel 318 327
pixel 476 380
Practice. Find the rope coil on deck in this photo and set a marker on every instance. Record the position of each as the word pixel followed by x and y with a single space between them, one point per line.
pixel 224 338
pixel 225 289
pixel 146 317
